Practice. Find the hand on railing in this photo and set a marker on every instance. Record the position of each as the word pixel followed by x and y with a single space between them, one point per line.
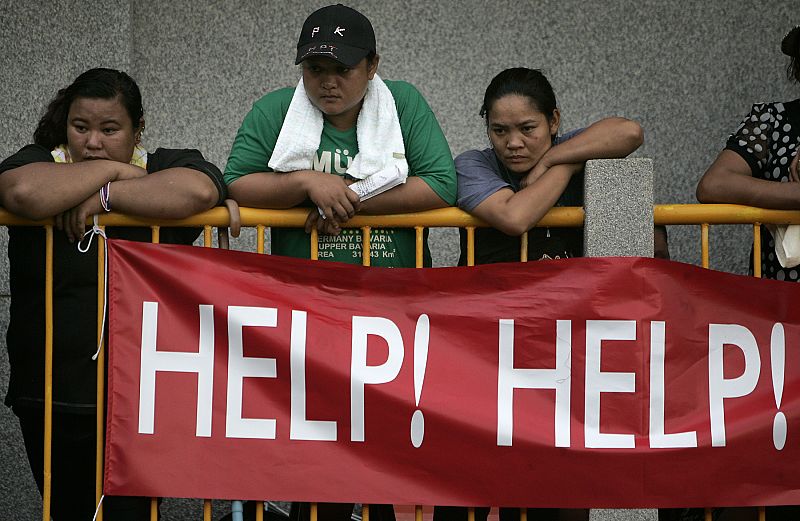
pixel 333 197
pixel 235 224
pixel 73 221
pixel 324 226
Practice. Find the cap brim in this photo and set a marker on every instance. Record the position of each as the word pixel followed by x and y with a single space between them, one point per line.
pixel 343 54
pixel 791 42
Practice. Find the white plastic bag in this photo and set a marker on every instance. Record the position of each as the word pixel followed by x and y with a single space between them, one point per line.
pixel 787 243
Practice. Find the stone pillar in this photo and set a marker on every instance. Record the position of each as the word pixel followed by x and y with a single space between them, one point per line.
pixel 618 200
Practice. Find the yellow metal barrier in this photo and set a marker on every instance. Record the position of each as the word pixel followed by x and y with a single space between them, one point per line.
pixel 674 214
pixel 101 378
pixel 48 369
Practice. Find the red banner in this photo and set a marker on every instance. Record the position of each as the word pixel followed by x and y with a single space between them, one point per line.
pixel 613 382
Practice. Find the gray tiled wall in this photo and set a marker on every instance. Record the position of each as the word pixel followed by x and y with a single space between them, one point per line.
pixel 688 71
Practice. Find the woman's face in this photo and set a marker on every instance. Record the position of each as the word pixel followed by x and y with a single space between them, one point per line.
pixel 338 90
pixel 519 132
pixel 100 128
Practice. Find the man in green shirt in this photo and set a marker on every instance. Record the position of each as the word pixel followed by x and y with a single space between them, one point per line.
pixel 338 55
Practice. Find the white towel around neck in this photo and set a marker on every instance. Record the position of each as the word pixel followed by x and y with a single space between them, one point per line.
pixel 380 141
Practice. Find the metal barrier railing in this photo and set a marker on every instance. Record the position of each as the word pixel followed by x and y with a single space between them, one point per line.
pixel 675 214
pixel 707 214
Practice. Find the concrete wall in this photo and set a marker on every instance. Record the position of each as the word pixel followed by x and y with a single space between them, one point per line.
pixel 688 71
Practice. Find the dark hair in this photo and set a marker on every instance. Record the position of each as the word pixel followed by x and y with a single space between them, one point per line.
pixel 530 83
pixel 793 69
pixel 790 46
pixel 94 83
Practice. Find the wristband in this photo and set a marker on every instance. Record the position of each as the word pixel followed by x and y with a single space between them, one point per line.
pixel 105 196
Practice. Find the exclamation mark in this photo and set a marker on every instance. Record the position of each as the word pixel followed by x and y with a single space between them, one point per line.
pixel 421 336
pixel 778 359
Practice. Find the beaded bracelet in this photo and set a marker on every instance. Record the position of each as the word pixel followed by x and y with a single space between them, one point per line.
pixel 105 196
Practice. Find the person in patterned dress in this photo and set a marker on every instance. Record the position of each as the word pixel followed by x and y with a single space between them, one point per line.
pixel 759 165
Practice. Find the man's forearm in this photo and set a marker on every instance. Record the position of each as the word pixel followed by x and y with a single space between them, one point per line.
pixel 270 189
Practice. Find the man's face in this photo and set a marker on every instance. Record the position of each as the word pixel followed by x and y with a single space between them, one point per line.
pixel 337 90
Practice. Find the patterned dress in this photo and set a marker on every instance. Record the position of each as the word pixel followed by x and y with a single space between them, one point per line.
pixel 768 139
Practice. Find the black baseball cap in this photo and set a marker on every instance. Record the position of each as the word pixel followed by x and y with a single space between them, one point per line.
pixel 337 32
pixel 791 43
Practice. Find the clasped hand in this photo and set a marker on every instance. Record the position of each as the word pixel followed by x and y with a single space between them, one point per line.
pixel 73 221
pixel 337 203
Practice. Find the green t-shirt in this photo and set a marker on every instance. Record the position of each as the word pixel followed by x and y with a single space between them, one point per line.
pixel 427 154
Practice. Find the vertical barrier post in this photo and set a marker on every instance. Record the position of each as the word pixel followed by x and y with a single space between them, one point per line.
pixel 260 238
pixel 206 510
pixel 419 246
pixel 101 373
pixel 366 241
pixel 48 373
pixel 207 236
pixel 470 246
pixel 314 238
pixel 757 250
pixel 155 238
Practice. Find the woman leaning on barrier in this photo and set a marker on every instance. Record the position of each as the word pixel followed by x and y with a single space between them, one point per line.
pixel 758 166
pixel 530 168
pixel 87 158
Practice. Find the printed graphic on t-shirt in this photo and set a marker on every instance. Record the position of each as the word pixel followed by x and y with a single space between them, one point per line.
pixel 348 245
pixel 333 162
